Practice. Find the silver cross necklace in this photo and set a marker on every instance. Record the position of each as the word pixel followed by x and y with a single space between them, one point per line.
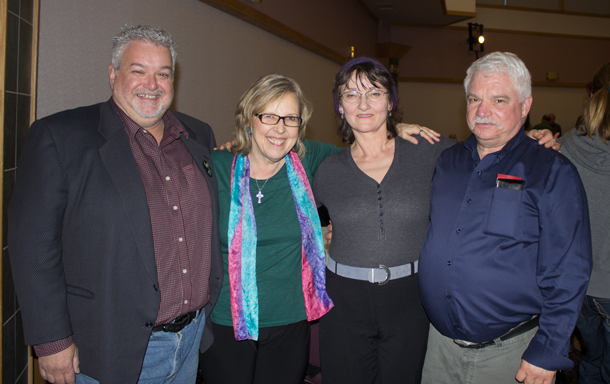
pixel 260 189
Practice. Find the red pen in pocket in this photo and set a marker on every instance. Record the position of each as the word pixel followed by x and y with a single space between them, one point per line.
pixel 509 182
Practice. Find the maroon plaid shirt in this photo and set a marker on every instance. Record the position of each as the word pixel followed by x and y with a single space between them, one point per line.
pixel 180 209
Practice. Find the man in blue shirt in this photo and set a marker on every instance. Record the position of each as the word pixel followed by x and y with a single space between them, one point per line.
pixel 507 258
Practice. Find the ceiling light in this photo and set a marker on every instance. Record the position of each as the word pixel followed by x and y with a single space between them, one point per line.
pixel 475 38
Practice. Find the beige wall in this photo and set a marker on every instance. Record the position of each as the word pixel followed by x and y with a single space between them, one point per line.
pixel 336 24
pixel 218 58
pixel 443 53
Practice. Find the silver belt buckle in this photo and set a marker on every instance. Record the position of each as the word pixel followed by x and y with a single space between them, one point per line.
pixel 463 343
pixel 371 276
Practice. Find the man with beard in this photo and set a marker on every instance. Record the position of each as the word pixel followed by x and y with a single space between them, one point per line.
pixel 113 234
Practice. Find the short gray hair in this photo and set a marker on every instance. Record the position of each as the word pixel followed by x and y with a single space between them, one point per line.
pixel 503 63
pixel 152 35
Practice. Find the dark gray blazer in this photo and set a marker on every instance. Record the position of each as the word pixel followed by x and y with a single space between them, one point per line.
pixel 80 239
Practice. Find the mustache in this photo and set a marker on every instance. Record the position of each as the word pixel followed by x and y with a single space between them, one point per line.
pixel 484 120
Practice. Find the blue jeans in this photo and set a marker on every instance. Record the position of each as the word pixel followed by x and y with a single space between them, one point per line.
pixel 594 326
pixel 173 357
pixel 81 378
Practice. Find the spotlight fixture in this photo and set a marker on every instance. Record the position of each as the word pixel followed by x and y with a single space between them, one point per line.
pixel 476 38
pixel 351 52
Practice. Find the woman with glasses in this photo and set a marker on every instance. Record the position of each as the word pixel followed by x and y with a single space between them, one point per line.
pixel 377 192
pixel 271 240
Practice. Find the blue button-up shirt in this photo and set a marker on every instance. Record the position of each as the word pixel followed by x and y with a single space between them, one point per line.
pixel 493 257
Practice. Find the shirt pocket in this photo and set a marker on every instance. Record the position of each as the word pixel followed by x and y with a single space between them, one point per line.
pixel 504 213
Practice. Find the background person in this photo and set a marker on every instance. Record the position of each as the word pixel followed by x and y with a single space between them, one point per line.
pixel 548 122
pixel 544 124
pixel 587 147
pixel 556 128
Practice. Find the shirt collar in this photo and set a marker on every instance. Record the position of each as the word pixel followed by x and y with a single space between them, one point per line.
pixel 471 144
pixel 173 126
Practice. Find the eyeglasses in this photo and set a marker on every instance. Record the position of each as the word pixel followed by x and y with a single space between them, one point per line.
pixel 353 96
pixel 271 119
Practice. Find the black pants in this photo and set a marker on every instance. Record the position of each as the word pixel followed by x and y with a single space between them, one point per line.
pixel 280 355
pixel 375 333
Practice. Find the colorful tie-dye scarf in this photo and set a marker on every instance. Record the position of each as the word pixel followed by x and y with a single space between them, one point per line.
pixel 242 248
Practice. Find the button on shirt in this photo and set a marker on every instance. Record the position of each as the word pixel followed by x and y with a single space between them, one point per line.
pixel 180 208
pixel 493 257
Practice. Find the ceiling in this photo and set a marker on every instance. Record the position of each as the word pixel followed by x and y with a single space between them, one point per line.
pixel 430 12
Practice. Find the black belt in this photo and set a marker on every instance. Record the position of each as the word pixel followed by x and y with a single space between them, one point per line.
pixel 518 330
pixel 178 324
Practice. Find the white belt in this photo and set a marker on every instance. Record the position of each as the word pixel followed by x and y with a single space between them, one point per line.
pixel 379 275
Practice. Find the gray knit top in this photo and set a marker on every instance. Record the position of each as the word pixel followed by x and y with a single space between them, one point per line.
pixel 379 223
pixel 592 159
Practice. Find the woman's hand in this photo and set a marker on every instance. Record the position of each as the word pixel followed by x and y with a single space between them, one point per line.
pixel 226 146
pixel 409 131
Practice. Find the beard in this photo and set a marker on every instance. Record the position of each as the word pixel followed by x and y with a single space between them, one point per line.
pixel 144 110
pixel 149 114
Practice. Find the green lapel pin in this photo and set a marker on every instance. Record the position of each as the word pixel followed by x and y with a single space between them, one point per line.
pixel 207 167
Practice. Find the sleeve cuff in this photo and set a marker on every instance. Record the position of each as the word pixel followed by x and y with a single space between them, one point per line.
pixel 53 347
pixel 547 358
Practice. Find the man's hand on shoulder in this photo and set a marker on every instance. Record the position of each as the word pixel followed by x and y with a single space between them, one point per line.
pixel 60 367
pixel 531 374
pixel 329 235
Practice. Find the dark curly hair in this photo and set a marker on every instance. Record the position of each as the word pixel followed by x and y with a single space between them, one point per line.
pixel 376 74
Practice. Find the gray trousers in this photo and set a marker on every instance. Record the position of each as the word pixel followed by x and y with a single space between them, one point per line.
pixel 448 363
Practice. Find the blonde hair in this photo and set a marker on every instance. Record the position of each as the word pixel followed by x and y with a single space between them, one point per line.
pixel 264 91
pixel 596 115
